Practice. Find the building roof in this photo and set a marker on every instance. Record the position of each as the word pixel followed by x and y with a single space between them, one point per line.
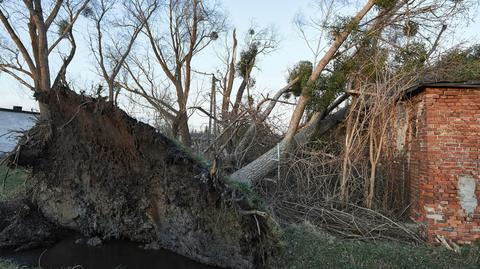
pixel 13 121
pixel 441 84
pixel 18 111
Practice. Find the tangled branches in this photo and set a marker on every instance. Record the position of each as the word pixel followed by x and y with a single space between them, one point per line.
pixel 348 221
pixel 310 192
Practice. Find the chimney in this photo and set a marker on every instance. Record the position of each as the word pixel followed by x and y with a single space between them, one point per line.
pixel 17 108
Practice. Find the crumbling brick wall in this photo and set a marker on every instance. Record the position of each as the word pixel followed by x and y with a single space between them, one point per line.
pixel 442 149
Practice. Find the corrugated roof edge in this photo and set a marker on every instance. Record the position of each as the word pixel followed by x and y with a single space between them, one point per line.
pixel 441 84
pixel 23 111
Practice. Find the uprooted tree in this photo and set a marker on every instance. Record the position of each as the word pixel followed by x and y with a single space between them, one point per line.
pixel 120 178
pixel 99 172
pixel 353 36
pixel 266 163
pixel 349 189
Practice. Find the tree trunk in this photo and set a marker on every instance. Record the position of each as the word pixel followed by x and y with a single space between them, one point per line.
pixel 346 164
pixel 111 95
pixel 229 78
pixel 371 185
pixel 185 136
pixel 268 162
pixel 44 111
pixel 238 98
pixel 306 93
pixel 180 129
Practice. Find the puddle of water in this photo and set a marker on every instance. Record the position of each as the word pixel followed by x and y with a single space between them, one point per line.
pixel 114 255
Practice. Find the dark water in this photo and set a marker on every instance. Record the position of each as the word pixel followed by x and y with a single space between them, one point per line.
pixel 114 255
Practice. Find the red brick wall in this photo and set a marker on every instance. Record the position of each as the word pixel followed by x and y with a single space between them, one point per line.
pixel 443 145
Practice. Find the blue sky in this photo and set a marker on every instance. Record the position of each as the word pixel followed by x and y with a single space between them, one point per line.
pixel 242 13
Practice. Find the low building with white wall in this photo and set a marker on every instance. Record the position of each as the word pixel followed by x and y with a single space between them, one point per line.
pixel 12 121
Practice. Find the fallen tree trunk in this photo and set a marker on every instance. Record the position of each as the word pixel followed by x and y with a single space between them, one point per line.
pixel 97 171
pixel 268 162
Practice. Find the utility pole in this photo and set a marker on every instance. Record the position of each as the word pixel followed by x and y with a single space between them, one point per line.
pixel 212 123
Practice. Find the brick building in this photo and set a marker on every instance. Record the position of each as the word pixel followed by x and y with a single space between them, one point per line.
pixel 438 131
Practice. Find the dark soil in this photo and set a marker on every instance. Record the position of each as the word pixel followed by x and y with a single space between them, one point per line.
pixel 22 226
pixel 99 172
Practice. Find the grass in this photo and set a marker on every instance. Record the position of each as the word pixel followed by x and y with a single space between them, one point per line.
pixel 8 265
pixel 253 198
pixel 203 160
pixel 11 181
pixel 306 248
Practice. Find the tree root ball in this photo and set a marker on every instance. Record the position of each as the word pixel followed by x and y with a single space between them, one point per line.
pixel 99 172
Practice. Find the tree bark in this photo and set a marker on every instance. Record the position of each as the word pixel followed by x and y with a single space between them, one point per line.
pixel 44 111
pixel 42 62
pixel 266 163
pixel 180 129
pixel 230 78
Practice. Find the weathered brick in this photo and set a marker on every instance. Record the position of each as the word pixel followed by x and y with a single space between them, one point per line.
pixel 445 147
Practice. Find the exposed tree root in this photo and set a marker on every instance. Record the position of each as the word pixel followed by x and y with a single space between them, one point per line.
pixel 97 171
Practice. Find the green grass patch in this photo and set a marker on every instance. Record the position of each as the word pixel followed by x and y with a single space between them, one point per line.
pixel 252 197
pixel 306 248
pixel 197 157
pixel 11 181
pixel 8 265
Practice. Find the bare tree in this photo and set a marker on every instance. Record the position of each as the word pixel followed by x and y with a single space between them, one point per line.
pixel 31 22
pixel 257 42
pixel 191 25
pixel 141 79
pixel 235 112
pixel 117 26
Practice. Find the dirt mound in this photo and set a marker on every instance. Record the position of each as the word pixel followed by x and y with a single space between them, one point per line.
pixel 98 171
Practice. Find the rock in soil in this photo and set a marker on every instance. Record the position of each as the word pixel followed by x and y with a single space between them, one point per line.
pixel 94 242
